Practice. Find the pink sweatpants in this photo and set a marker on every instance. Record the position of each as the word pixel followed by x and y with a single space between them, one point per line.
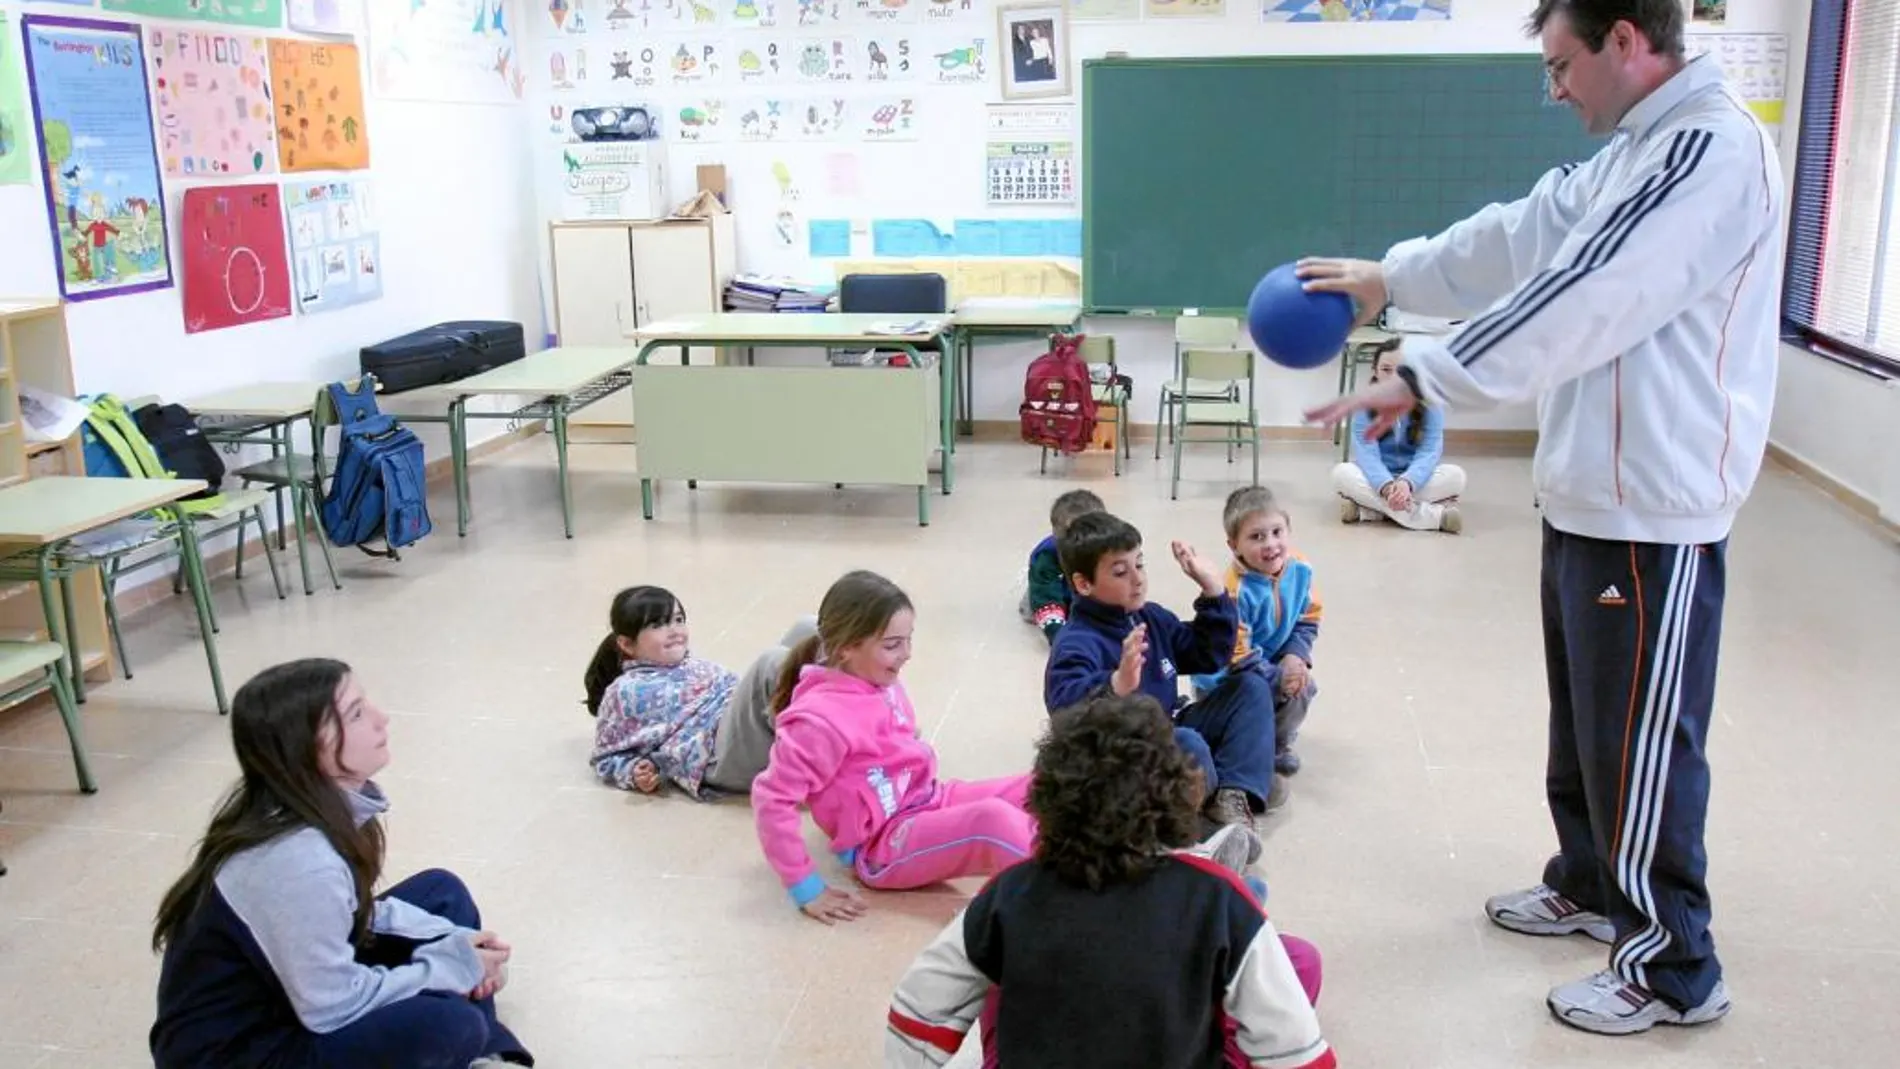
pixel 1305 958
pixel 968 829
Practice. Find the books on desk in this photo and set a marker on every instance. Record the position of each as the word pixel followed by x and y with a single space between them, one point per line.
pixel 760 293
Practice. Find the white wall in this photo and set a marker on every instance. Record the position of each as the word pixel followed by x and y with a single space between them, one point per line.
pixel 451 192
pixel 1836 419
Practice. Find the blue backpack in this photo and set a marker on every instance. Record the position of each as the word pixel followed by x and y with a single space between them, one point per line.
pixel 379 487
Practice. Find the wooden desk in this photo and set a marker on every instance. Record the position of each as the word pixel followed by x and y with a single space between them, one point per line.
pixel 976 319
pixel 41 515
pixel 794 424
pixel 562 381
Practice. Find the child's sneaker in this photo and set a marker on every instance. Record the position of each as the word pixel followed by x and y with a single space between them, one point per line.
pixel 1279 792
pixel 1450 520
pixel 1232 846
pixel 1229 806
pixel 1609 1005
pixel 1286 762
pixel 1542 911
pixel 1348 510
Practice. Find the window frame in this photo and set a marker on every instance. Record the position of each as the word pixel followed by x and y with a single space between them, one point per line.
pixel 1810 200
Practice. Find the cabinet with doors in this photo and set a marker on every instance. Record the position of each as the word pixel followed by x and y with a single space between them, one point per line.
pixel 614 275
pixel 34 353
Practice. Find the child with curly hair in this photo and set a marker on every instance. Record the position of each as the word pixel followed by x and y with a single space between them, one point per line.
pixel 1107 917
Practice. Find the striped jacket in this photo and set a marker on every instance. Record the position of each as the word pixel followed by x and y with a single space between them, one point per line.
pixel 1636 296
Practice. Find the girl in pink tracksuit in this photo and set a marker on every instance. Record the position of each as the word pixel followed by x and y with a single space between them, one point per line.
pixel 846 745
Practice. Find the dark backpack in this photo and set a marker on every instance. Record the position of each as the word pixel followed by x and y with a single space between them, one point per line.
pixel 181 446
pixel 1058 409
pixel 115 447
pixel 379 489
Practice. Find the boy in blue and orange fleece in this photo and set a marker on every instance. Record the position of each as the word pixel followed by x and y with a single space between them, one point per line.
pixel 1279 610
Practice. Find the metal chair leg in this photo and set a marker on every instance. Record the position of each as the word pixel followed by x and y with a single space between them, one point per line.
pixel 323 540
pixel 270 554
pixel 110 580
pixel 69 713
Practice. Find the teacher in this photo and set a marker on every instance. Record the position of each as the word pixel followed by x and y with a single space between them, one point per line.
pixel 1634 296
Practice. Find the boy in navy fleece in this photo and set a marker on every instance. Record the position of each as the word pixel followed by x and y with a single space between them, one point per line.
pixel 1116 642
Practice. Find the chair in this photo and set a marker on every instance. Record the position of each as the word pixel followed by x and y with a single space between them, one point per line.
pixel 1098 350
pixel 38 664
pixel 903 294
pixel 303 474
pixel 1233 368
pixel 1194 332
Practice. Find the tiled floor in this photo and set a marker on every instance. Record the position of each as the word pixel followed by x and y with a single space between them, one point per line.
pixel 650 933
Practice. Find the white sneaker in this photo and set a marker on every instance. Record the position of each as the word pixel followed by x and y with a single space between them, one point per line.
pixel 1451 521
pixel 1348 510
pixel 1609 1005
pixel 1542 911
pixel 1234 846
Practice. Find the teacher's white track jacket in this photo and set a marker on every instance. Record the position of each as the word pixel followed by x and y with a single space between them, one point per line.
pixel 1636 296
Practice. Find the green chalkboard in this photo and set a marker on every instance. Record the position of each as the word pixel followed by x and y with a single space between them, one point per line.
pixel 1200 175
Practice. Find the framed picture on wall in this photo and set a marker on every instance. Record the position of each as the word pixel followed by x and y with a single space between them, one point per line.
pixel 1034 47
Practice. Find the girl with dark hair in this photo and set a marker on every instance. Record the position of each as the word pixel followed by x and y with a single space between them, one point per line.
pixel 1402 476
pixel 666 715
pixel 276 952
pixel 847 745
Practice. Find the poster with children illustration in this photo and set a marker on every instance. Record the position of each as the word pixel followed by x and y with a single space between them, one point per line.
pixel 234 267
pixel 266 13
pixel 318 88
pixel 214 108
pixel 93 117
pixel 334 247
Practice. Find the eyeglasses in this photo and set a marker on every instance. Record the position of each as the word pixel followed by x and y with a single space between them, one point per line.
pixel 1557 70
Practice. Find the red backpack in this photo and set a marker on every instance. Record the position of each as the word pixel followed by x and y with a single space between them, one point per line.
pixel 1058 410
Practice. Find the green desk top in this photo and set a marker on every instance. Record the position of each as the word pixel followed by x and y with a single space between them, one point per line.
pixel 265 400
pixel 791 328
pixel 1051 316
pixel 549 373
pixel 54 507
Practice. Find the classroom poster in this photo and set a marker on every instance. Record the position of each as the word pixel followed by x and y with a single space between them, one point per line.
pixel 265 13
pixel 1104 10
pixel 214 107
pixel 1343 10
pixel 334 247
pixel 336 17
pixel 1213 9
pixel 16 161
pixel 234 267
pixel 458 51
pixel 319 99
pixel 93 117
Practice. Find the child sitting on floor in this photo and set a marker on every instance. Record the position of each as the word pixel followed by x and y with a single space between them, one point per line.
pixel 667 715
pixel 1116 641
pixel 1108 948
pixel 1046 601
pixel 1279 612
pixel 848 746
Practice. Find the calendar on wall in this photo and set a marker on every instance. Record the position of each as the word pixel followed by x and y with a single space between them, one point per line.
pixel 1031 172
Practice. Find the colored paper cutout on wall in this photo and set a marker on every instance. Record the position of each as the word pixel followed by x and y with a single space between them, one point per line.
pixel 266 13
pixel 235 271
pixel 335 249
pixel 830 237
pixel 321 16
pixel 213 98
pixel 93 116
pixel 319 99
pixel 16 162
pixel 910 237
pixel 1320 10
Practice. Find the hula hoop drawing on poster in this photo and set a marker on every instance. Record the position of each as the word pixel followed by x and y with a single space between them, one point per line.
pixel 93 117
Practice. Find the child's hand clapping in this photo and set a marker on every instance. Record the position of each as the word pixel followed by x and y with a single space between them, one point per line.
pixel 1197 568
pixel 494 955
pixel 834 905
pixel 1293 675
pixel 1127 678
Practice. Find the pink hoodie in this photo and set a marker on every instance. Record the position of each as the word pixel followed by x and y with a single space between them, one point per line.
pixel 848 749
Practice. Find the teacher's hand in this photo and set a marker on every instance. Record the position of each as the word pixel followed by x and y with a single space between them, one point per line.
pixel 1387 400
pixel 1362 280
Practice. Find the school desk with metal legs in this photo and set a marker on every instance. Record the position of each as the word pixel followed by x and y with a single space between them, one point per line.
pixel 562 381
pixel 264 413
pixel 977 319
pixel 742 423
pixel 39 517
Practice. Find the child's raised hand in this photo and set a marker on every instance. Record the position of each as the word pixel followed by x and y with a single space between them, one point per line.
pixel 1197 568
pixel 1127 678
pixel 834 905
pixel 646 776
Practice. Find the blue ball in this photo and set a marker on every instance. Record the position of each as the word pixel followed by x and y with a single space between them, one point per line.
pixel 1295 328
